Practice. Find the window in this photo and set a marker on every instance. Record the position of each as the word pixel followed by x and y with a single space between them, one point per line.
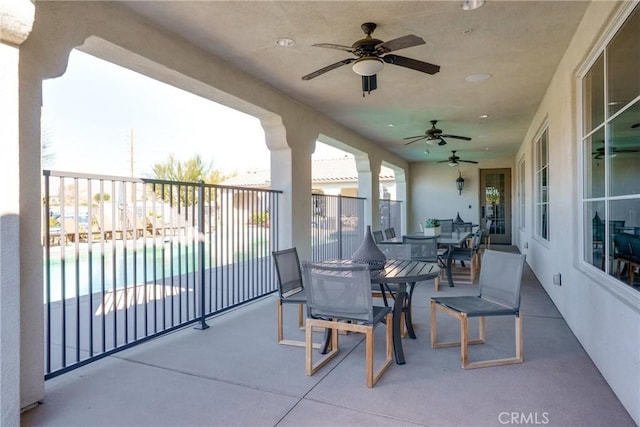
pixel 611 151
pixel 542 185
pixel 521 196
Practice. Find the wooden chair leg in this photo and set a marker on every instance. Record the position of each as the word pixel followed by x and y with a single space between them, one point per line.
pixel 518 358
pixel 281 339
pixel 279 311
pixel 371 375
pixel 310 368
pixel 300 318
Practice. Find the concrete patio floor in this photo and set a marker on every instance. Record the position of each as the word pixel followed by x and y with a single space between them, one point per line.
pixel 235 374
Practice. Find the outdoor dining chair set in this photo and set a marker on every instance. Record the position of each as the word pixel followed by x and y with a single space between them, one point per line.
pixel 339 297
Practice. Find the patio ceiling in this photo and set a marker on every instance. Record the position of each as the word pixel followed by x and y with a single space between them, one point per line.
pixel 519 43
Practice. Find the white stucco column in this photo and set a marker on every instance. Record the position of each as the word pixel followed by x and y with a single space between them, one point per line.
pixel 369 187
pixel 291 148
pixel 401 195
pixel 16 22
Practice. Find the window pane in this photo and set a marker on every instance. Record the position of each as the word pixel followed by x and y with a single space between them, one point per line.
pixel 594 167
pixel 593 96
pixel 624 152
pixel 544 227
pixel 594 233
pixel 623 66
pixel 521 194
pixel 625 216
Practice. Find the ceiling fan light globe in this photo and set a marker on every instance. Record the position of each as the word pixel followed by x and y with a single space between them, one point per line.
pixel 367 66
pixel 433 141
pixel 453 164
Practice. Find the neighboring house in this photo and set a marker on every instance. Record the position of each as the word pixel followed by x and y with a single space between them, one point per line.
pixel 337 176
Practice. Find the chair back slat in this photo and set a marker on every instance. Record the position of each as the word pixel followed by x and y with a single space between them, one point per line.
pixel 377 236
pixel 339 292
pixel 501 277
pixel 288 271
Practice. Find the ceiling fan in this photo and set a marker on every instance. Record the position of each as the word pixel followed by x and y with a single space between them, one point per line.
pixel 434 136
pixel 371 54
pixel 453 160
pixel 613 151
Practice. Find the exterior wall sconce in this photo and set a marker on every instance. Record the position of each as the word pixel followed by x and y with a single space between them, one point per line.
pixel 459 183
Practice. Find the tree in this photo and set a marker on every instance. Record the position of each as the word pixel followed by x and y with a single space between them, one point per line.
pixel 191 170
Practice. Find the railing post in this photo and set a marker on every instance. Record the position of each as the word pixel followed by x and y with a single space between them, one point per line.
pixel 201 256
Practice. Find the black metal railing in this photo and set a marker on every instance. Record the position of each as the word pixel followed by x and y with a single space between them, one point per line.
pixel 336 228
pixel 128 259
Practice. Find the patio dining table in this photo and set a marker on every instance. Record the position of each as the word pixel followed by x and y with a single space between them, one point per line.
pixel 405 274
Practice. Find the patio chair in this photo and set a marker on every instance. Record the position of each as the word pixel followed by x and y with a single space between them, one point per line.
pixel 377 236
pixel 446 225
pixel 469 254
pixel 627 251
pixel 380 290
pixel 425 249
pixel 290 290
pixel 500 282
pixel 621 252
pixel 486 233
pixel 389 233
pixel 339 298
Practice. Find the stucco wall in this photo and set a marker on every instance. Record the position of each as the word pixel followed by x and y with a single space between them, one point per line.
pixel 602 312
pixel 433 191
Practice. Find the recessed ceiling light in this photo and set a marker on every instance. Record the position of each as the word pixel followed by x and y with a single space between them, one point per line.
pixel 285 42
pixel 390 125
pixel 477 78
pixel 471 4
pixel 483 116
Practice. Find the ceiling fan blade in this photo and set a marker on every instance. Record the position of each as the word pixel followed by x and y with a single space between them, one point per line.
pixel 328 68
pixel 635 125
pixel 443 161
pixel 334 46
pixel 467 161
pixel 466 138
pixel 417 136
pixel 415 140
pixel 442 141
pixel 414 64
pixel 399 43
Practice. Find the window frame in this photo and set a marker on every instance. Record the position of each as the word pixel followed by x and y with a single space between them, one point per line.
pixel 522 188
pixel 538 169
pixel 602 277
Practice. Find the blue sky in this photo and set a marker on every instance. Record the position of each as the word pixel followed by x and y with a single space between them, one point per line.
pixel 90 112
